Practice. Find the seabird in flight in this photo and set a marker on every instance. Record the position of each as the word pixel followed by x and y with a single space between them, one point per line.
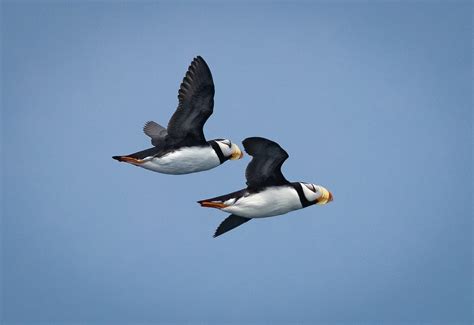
pixel 268 193
pixel 182 148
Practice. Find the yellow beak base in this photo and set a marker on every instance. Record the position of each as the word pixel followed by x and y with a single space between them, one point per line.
pixel 236 152
pixel 325 198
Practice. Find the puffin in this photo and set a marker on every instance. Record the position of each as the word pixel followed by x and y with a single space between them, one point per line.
pixel 268 192
pixel 181 148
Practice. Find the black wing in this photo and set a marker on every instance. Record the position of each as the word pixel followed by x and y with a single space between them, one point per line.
pixel 265 167
pixel 196 103
pixel 230 223
pixel 156 132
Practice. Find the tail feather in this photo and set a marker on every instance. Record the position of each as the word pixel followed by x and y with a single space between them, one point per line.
pixel 210 204
pixel 128 159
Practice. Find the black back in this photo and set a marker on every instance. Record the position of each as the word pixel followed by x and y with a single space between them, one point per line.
pixel 222 198
pixel 265 168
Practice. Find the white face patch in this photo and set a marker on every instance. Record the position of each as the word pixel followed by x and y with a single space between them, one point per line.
pixel 226 147
pixel 314 192
pixel 311 191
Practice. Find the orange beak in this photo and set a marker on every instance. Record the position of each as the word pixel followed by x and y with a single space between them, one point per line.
pixel 236 152
pixel 325 198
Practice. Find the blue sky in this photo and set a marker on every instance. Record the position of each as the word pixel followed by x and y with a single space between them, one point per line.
pixel 371 100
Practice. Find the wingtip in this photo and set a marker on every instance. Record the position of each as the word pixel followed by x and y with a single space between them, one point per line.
pixel 147 124
pixel 200 60
pixel 118 158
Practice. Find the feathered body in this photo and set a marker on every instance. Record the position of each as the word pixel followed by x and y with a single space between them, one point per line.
pixel 268 193
pixel 181 148
pixel 183 161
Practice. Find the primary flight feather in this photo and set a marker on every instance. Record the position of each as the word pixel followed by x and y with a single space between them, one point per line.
pixel 268 192
pixel 181 148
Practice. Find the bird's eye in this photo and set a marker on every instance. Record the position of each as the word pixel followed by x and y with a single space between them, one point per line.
pixel 310 187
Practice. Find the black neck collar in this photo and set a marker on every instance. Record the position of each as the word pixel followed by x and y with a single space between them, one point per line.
pixel 218 151
pixel 304 201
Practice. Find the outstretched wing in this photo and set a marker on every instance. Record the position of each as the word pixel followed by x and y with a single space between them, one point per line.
pixel 230 223
pixel 265 167
pixel 196 103
pixel 156 132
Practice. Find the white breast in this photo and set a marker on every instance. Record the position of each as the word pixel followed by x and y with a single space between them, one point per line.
pixel 272 201
pixel 184 161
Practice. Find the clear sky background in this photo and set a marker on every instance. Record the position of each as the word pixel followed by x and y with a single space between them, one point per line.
pixel 371 100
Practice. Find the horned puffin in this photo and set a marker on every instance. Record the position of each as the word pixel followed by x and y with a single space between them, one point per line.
pixel 181 148
pixel 268 193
